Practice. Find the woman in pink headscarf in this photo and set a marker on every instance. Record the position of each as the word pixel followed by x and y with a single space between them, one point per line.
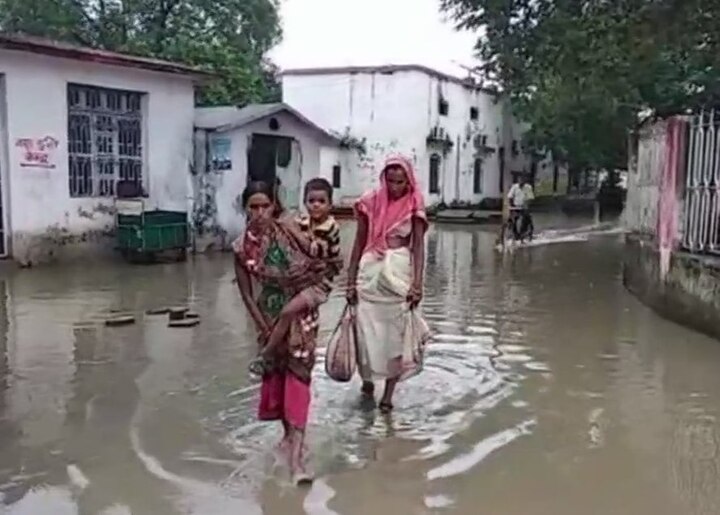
pixel 385 279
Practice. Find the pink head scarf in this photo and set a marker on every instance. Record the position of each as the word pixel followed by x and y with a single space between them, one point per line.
pixel 384 214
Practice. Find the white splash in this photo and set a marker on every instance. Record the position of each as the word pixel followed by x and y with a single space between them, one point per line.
pixel 77 478
pixel 316 500
pixel 37 500
pixel 116 509
pixel 435 502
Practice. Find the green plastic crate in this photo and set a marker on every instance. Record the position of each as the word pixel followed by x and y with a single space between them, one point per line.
pixel 153 231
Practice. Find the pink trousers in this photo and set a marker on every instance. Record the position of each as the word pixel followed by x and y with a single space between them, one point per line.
pixel 284 397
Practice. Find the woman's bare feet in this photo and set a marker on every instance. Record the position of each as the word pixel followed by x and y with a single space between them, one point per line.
pixel 302 477
pixel 386 407
pixel 386 404
pixel 300 474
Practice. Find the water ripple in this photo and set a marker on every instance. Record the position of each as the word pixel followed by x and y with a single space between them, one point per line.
pixel 480 451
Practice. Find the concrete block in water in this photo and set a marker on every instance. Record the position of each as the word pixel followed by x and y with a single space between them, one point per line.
pixel 157 311
pixel 186 322
pixel 120 320
pixel 178 313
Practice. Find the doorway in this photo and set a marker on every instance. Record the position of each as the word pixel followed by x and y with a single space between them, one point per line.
pixel 277 158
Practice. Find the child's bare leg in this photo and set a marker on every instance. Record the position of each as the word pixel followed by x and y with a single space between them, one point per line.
pixel 297 304
pixel 297 457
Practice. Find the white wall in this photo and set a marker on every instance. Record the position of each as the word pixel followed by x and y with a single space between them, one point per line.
pixel 43 218
pixel 381 108
pixel 350 165
pixel 395 112
pixel 458 182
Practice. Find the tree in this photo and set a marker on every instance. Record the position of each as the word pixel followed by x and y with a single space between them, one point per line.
pixel 580 71
pixel 226 37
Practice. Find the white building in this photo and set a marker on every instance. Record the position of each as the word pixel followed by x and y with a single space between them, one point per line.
pixel 256 142
pixel 75 124
pixel 463 138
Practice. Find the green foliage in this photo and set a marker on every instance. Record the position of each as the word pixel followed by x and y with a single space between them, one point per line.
pixel 226 37
pixel 579 71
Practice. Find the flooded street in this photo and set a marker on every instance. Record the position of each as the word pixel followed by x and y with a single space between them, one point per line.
pixel 548 390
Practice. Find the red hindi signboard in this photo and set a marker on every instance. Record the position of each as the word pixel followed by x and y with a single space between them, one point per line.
pixel 37 153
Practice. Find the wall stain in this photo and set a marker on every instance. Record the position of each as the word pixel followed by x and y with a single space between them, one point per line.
pixel 238 205
pixel 35 249
pixel 97 209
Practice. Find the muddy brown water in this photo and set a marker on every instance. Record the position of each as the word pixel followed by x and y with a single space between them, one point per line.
pixel 548 390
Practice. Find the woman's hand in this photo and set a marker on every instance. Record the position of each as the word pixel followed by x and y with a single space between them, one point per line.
pixel 262 339
pixel 264 331
pixel 263 326
pixel 415 295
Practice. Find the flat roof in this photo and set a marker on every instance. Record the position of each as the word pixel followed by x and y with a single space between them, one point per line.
pixel 37 45
pixel 388 69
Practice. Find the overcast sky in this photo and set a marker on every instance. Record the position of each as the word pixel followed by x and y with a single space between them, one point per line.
pixel 370 32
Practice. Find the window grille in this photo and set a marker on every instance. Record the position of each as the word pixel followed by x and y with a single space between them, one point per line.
pixel 105 140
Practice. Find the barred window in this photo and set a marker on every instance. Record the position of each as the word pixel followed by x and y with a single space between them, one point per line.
pixel 104 140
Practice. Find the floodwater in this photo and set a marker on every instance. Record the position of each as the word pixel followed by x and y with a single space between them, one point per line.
pixel 548 390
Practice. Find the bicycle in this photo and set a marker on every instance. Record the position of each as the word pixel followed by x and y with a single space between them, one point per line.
pixel 526 230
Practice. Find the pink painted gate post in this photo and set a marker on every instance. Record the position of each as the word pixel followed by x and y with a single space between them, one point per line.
pixel 667 223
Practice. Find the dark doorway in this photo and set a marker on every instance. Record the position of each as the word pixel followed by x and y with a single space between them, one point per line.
pixel 277 160
pixel 266 154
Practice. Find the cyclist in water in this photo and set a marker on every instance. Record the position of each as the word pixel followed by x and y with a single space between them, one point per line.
pixel 519 197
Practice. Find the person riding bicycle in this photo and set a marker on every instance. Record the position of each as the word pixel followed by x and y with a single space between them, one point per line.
pixel 519 197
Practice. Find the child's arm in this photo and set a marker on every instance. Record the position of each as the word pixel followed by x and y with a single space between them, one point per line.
pixel 332 247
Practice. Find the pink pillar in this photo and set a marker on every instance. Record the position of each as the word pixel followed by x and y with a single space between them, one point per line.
pixel 667 224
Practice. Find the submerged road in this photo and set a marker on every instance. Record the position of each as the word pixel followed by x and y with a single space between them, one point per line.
pixel 548 390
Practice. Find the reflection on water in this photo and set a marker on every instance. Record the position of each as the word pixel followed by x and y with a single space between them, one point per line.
pixel 547 390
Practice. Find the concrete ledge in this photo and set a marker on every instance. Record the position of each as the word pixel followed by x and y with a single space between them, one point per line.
pixel 466 216
pixel 689 295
